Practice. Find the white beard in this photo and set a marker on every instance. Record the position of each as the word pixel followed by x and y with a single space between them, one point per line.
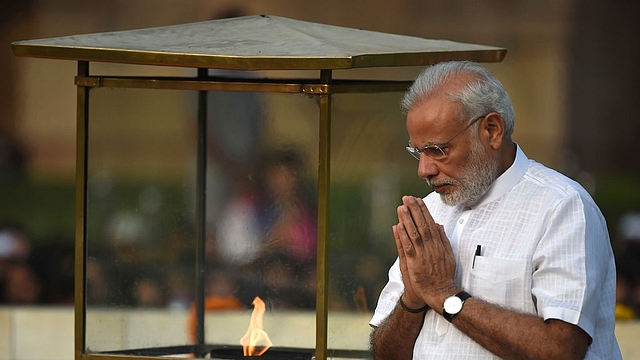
pixel 476 179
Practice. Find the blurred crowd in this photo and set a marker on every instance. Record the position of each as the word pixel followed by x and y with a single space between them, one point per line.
pixel 32 271
pixel 262 242
pixel 35 275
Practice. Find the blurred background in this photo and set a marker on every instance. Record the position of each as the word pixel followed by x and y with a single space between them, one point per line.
pixel 571 70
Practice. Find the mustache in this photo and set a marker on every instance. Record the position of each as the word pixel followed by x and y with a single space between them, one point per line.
pixel 434 183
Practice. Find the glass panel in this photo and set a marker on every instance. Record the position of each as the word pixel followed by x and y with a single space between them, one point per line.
pixel 370 171
pixel 262 234
pixel 140 218
pixel 260 218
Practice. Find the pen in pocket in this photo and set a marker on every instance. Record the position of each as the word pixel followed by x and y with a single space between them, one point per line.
pixel 478 253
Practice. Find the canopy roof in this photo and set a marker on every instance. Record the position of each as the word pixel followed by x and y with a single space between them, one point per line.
pixel 256 42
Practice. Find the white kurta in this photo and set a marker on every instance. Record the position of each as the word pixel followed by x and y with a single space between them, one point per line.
pixel 545 250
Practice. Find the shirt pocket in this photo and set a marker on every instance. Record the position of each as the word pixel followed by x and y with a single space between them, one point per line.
pixel 498 281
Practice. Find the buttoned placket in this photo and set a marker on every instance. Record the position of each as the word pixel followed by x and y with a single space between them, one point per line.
pixel 456 233
pixel 442 325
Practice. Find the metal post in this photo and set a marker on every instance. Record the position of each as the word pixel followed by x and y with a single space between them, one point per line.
pixel 82 124
pixel 324 159
pixel 201 219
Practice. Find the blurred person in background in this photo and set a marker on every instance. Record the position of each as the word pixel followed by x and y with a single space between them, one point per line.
pixel 148 290
pixel 22 286
pixel 13 159
pixel 288 223
pixel 19 283
pixel 287 208
pixel 53 260
pixel 98 283
pixel 269 231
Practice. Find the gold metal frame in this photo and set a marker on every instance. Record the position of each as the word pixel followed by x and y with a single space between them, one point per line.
pixel 81 209
pixel 293 86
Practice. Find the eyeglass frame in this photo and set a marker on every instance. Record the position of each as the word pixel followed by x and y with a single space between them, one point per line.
pixel 433 148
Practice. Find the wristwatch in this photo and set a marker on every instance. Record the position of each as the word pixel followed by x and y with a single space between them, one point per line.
pixel 453 305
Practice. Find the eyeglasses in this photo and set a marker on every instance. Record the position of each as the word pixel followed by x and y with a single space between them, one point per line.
pixel 434 151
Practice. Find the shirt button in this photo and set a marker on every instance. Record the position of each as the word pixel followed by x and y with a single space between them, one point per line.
pixel 460 221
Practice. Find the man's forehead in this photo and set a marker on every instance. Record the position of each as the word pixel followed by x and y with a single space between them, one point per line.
pixel 433 121
pixel 436 110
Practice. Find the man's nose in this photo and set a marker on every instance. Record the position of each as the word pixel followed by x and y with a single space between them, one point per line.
pixel 427 167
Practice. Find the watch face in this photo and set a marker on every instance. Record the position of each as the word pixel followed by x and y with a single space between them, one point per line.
pixel 453 305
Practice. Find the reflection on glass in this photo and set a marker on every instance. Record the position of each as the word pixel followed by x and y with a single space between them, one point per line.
pixel 266 233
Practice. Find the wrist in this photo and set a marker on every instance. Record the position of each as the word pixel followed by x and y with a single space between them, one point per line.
pixel 411 309
pixel 439 298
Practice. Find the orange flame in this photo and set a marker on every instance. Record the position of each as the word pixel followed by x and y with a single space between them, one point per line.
pixel 255 341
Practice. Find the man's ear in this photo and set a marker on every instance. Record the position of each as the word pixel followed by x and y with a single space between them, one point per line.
pixel 493 129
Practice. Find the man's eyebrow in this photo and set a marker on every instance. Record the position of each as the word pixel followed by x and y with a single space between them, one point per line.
pixel 429 143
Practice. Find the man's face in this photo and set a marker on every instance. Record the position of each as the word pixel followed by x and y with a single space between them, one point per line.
pixel 468 170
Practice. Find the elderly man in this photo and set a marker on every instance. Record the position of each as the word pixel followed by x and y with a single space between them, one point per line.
pixel 506 258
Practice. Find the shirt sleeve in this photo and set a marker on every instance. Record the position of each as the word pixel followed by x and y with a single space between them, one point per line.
pixel 389 295
pixel 570 263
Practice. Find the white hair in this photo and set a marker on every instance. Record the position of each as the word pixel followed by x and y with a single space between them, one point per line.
pixel 480 96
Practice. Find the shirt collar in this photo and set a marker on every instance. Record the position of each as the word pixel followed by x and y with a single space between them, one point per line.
pixel 507 180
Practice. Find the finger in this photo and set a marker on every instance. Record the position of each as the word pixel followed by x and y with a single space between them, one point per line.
pixel 444 240
pixel 439 245
pixel 404 241
pixel 408 225
pixel 411 297
pixel 418 210
pixel 399 245
pixel 446 253
pixel 426 214
pixel 401 255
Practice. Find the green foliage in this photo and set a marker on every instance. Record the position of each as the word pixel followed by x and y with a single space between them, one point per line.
pixel 617 195
pixel 45 210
